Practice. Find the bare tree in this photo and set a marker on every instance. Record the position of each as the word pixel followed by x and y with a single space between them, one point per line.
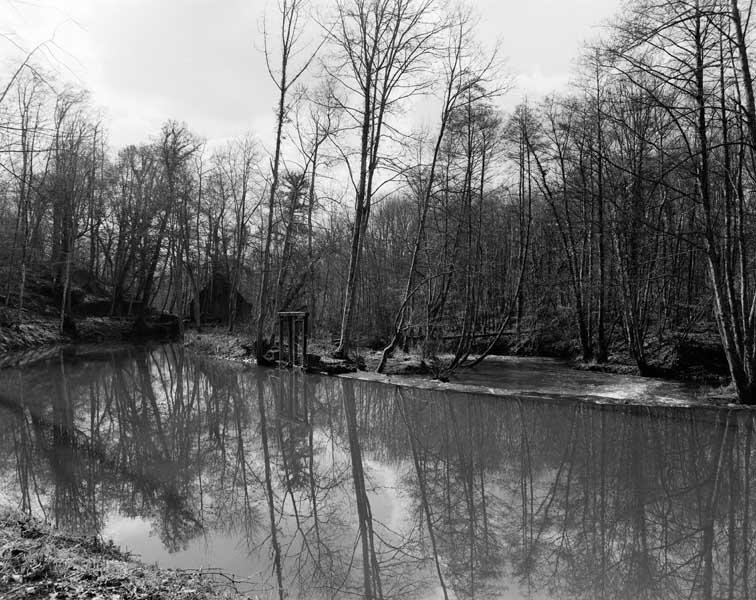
pixel 29 180
pixel 284 78
pixel 466 73
pixel 235 168
pixel 75 144
pixel 676 50
pixel 174 148
pixel 381 51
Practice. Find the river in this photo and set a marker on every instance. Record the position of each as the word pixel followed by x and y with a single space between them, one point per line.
pixel 317 487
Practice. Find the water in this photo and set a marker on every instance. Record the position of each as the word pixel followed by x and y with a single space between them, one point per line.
pixel 342 488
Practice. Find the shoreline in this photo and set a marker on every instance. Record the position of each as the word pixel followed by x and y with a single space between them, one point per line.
pixel 40 561
pixel 405 370
pixel 596 400
pixel 407 374
pixel 38 332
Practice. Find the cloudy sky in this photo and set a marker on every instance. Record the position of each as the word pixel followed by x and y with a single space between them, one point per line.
pixel 200 61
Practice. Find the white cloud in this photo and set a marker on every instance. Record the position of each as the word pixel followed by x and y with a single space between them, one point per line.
pixel 199 61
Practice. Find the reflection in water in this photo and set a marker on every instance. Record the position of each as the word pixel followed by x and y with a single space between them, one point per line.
pixel 317 487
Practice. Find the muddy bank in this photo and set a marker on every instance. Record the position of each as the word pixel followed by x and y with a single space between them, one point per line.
pixel 497 375
pixel 37 561
pixel 694 357
pixel 219 343
pixel 31 332
pixel 89 319
pixel 694 374
pixel 240 347
pixel 494 373
pixel 37 331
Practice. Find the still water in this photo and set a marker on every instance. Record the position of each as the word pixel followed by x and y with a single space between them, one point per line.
pixel 311 487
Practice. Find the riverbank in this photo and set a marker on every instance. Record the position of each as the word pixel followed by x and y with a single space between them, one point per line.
pixel 38 331
pixel 219 343
pixel 38 325
pixel 696 361
pixel 507 375
pixel 37 561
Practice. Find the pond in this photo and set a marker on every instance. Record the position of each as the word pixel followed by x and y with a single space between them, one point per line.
pixel 315 487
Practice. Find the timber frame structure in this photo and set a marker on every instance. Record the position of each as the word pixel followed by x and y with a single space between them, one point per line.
pixel 292 335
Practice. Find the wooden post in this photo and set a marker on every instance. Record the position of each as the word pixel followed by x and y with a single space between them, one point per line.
pixel 295 351
pixel 297 322
pixel 280 340
pixel 291 341
pixel 304 340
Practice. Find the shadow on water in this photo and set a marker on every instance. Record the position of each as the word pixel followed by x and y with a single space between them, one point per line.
pixel 305 487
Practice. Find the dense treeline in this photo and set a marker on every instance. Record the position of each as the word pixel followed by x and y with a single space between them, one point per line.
pixel 619 210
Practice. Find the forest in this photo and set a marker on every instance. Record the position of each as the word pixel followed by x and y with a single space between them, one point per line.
pixel 400 203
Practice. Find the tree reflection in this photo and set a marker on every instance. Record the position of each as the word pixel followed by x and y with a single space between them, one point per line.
pixel 370 565
pixel 333 487
pixel 419 462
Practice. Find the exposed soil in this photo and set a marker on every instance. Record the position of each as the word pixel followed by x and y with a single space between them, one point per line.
pixel 692 357
pixel 218 342
pixel 38 324
pixel 39 562
pixel 693 360
pixel 240 347
pixel 34 331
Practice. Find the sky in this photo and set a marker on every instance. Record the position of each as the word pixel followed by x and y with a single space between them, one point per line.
pixel 201 61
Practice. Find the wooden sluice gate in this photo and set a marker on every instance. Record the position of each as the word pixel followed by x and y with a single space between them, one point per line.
pixel 292 335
